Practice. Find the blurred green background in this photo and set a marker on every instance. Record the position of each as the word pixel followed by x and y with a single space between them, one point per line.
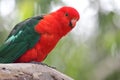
pixel 91 51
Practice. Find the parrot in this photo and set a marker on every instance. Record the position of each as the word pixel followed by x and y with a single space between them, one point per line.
pixel 34 38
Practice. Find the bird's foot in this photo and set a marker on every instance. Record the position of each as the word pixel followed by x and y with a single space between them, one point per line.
pixel 34 62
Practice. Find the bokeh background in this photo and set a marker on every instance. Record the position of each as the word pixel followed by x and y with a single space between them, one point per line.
pixel 91 51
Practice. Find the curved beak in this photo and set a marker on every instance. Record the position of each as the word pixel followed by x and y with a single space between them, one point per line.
pixel 73 23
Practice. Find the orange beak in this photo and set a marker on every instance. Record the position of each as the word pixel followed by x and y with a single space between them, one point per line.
pixel 73 23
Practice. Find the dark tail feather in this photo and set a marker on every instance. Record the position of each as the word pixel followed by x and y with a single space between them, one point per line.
pixel 10 52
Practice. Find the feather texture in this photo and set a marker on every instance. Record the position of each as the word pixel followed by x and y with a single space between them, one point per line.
pixel 34 38
pixel 21 38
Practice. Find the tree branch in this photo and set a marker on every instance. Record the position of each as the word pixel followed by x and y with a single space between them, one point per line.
pixel 29 71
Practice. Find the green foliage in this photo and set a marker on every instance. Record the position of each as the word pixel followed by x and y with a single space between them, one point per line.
pixel 27 9
pixel 3 35
pixel 114 76
pixel 105 21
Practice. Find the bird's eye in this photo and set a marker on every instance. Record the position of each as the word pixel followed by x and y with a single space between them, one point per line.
pixel 66 14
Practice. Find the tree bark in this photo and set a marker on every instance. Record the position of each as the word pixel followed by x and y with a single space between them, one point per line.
pixel 29 71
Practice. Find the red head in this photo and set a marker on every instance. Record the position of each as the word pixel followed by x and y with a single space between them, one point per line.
pixel 70 14
pixel 68 17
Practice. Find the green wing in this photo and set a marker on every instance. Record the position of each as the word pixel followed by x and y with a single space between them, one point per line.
pixel 21 38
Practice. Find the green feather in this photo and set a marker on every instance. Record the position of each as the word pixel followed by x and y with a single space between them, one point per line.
pixel 21 38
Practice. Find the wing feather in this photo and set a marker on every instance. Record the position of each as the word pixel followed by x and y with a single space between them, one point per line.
pixel 22 37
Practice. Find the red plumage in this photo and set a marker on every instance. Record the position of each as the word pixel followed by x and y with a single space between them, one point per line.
pixel 51 29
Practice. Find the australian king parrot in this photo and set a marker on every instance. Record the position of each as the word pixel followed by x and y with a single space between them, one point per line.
pixel 34 38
